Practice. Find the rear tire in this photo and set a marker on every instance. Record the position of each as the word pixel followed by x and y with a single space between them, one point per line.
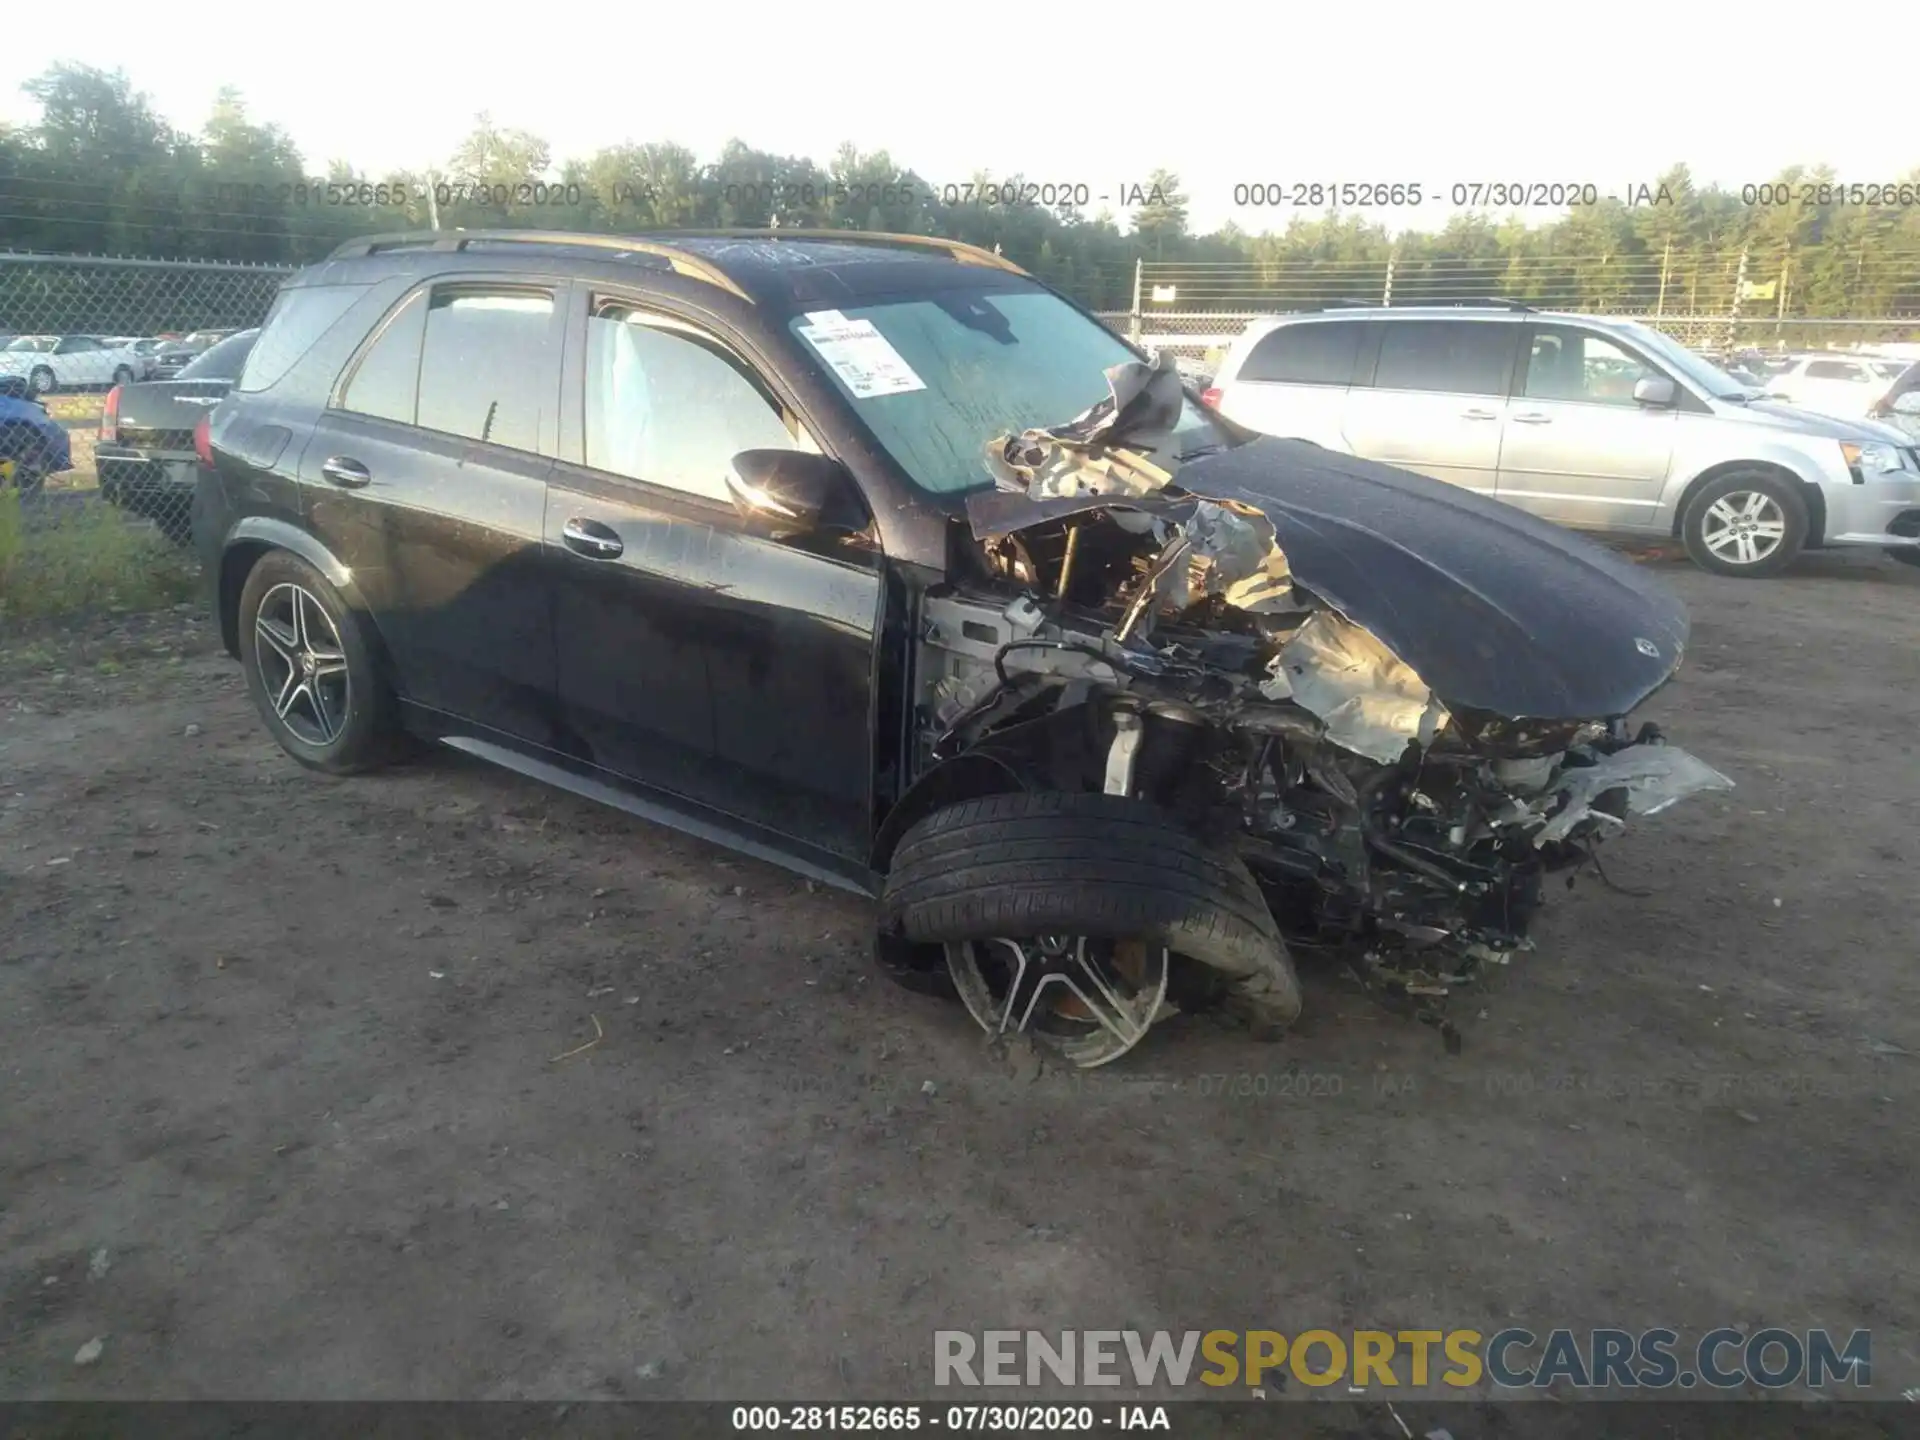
pixel 123 376
pixel 41 382
pixel 1100 866
pixel 311 670
pixel 1750 523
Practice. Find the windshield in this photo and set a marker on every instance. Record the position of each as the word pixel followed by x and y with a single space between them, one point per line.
pixel 221 362
pixel 936 378
pixel 1694 367
pixel 40 344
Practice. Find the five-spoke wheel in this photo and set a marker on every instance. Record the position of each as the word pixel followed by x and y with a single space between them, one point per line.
pixel 1089 1001
pixel 301 660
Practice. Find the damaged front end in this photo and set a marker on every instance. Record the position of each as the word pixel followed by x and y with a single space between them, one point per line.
pixel 1401 704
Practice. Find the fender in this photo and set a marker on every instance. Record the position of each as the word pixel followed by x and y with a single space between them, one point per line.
pixel 253 535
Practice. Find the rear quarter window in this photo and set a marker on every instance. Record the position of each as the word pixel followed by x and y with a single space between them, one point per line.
pixel 299 317
pixel 1312 353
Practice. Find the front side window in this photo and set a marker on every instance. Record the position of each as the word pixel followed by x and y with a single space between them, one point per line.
pixel 937 378
pixel 298 318
pixel 669 405
pixel 1314 352
pixel 1564 363
pixel 1458 357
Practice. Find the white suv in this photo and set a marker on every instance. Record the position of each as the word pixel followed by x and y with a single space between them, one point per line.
pixel 1599 424
pixel 1846 385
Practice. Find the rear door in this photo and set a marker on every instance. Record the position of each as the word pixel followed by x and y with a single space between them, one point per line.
pixel 1293 381
pixel 1579 449
pixel 427 476
pixel 697 655
pixel 1437 398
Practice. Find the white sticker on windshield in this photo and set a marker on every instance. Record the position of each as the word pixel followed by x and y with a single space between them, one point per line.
pixel 860 355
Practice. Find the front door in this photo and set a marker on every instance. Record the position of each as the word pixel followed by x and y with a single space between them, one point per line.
pixel 1579 449
pixel 1438 399
pixel 697 655
pixel 428 478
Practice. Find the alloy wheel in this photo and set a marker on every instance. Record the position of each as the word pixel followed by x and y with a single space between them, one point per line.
pixel 1744 527
pixel 1088 1001
pixel 302 664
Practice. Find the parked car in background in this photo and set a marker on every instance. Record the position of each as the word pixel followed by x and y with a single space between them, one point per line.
pixel 1600 424
pixel 173 356
pixel 1834 384
pixel 33 445
pixel 69 362
pixel 144 455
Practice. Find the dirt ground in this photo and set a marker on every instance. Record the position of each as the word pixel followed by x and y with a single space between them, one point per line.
pixel 441 1084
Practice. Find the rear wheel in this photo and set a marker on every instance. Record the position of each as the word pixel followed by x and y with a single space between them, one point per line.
pixel 1749 523
pixel 1062 916
pixel 41 382
pixel 122 375
pixel 311 671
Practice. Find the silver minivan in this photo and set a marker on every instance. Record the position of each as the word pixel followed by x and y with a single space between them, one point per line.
pixel 1599 424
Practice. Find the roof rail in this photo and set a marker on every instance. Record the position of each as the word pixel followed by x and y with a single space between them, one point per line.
pixel 1480 302
pixel 683 263
pixel 955 249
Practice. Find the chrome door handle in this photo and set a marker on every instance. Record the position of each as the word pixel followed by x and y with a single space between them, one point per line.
pixel 1532 417
pixel 342 470
pixel 591 539
pixel 1479 415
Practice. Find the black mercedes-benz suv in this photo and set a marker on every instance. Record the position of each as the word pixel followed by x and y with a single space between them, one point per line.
pixel 877 558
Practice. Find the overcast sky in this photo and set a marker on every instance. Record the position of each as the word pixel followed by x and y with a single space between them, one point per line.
pixel 1222 93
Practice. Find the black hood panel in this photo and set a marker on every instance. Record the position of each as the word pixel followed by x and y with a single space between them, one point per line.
pixel 1497 610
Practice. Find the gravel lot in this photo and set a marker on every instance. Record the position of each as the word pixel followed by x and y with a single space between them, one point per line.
pixel 296 1102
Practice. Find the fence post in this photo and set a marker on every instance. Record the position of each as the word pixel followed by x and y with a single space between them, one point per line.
pixel 1386 291
pixel 1666 265
pixel 1786 275
pixel 1133 315
pixel 433 204
pixel 1733 311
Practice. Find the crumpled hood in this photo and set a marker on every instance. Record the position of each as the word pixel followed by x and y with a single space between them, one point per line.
pixel 1776 416
pixel 1497 610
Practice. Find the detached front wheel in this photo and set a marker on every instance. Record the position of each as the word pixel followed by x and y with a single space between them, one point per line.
pixel 1062 917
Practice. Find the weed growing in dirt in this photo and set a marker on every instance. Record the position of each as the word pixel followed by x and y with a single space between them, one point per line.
pixel 90 558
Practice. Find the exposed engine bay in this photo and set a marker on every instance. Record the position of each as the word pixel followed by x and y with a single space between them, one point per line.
pixel 1134 636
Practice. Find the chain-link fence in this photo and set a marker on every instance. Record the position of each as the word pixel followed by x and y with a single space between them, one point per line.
pixel 1817 297
pixel 88 484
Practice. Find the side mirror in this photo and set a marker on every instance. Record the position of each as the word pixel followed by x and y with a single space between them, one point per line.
pixel 1907 404
pixel 1656 392
pixel 796 492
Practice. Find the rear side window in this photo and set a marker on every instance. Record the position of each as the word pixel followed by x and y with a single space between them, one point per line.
pixel 1461 357
pixel 464 361
pixel 299 317
pixel 1833 370
pixel 484 370
pixel 386 382
pixel 1311 353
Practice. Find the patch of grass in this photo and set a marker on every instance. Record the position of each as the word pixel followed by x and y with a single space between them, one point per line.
pixel 88 557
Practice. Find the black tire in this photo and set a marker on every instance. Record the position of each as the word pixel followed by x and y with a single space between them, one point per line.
pixel 1907 555
pixel 1103 866
pixel 1784 494
pixel 41 381
pixel 368 736
pixel 122 375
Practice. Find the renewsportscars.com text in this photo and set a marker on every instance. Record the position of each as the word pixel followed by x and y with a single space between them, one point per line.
pixel 1516 1358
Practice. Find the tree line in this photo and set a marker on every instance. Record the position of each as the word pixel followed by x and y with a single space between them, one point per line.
pixel 102 173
